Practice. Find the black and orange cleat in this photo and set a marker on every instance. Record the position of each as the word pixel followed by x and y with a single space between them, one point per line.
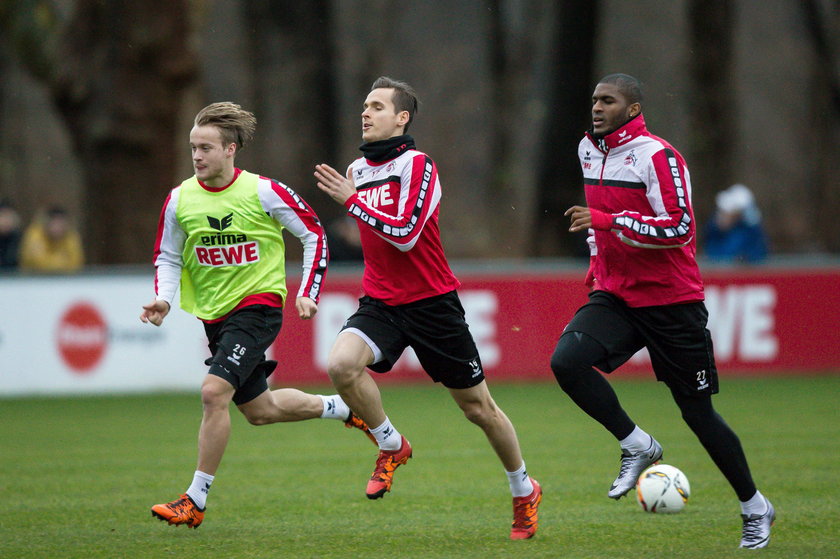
pixel 524 524
pixel 180 511
pixel 383 475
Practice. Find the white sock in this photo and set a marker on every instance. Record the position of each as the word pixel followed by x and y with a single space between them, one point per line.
pixel 334 407
pixel 199 488
pixel 637 441
pixel 387 436
pixel 520 482
pixel 756 505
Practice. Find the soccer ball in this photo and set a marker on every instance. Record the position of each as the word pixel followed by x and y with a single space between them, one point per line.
pixel 662 488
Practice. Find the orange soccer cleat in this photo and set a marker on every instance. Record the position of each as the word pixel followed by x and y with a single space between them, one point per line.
pixel 524 524
pixel 383 475
pixel 180 511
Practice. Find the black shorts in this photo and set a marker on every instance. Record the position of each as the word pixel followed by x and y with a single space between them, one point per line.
pixel 676 337
pixel 434 327
pixel 237 346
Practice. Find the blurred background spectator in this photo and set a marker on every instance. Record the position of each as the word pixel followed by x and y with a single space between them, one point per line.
pixel 10 235
pixel 735 233
pixel 52 244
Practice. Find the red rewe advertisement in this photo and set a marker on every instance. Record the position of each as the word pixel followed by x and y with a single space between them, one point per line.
pixel 775 320
pixel 763 320
pixel 82 337
pixel 232 255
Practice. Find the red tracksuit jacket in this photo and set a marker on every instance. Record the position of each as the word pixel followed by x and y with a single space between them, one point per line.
pixel 396 206
pixel 643 236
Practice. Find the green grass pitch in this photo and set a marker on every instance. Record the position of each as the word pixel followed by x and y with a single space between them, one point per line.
pixel 78 475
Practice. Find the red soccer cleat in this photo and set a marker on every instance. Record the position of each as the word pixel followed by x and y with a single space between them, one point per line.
pixel 524 524
pixel 383 475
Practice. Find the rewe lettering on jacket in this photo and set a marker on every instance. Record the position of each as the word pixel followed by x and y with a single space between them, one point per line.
pixel 231 255
pixel 377 197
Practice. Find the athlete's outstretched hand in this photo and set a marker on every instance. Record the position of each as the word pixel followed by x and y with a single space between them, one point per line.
pixel 338 187
pixel 306 307
pixel 155 312
pixel 581 218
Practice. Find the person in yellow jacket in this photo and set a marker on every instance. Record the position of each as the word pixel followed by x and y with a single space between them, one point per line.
pixel 52 244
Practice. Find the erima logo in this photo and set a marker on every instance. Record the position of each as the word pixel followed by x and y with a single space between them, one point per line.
pixel 220 224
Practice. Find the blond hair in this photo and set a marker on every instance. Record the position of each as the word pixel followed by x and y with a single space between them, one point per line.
pixel 235 124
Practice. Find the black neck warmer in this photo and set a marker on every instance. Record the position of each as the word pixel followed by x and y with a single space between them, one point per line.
pixel 384 150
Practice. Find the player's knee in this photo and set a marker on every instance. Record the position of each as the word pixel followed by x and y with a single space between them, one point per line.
pixel 258 413
pixel 266 408
pixel 338 372
pixel 697 418
pixel 214 394
pixel 479 412
pixel 696 411
pixel 475 413
pixel 342 371
pixel 567 361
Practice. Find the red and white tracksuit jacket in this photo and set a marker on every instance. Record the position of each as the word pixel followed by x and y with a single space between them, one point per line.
pixel 396 206
pixel 643 236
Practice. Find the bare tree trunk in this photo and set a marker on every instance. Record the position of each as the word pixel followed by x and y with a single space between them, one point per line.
pixel 124 67
pixel 520 37
pixel 295 89
pixel 116 74
pixel 559 177
pixel 294 85
pixel 712 105
pixel 823 24
pixel 505 74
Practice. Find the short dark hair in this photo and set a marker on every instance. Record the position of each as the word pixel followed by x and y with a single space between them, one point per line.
pixel 404 98
pixel 627 85
pixel 235 124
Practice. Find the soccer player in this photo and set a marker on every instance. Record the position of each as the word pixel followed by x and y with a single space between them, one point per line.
pixel 410 297
pixel 221 236
pixel 646 292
